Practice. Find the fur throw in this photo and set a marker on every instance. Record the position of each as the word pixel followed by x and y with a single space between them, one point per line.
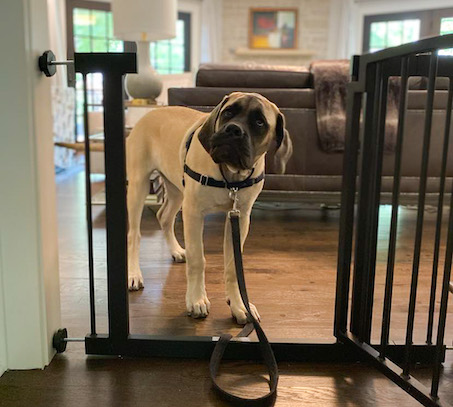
pixel 330 79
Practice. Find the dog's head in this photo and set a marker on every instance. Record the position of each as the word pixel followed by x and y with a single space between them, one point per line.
pixel 243 127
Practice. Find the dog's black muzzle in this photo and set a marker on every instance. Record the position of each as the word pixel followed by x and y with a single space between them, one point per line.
pixel 232 145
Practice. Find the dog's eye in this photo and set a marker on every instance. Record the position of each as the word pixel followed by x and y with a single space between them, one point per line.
pixel 228 114
pixel 259 123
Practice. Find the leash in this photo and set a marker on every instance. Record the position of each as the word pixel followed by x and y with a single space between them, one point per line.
pixel 252 324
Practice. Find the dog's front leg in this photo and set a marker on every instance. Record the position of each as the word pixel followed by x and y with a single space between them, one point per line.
pixel 233 296
pixel 197 302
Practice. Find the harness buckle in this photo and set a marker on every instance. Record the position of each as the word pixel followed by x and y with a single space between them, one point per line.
pixel 204 179
pixel 233 195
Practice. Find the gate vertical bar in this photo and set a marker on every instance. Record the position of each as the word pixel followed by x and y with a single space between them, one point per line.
pixel 420 211
pixel 116 209
pixel 443 305
pixel 361 222
pixel 360 290
pixel 113 66
pixel 89 215
pixel 385 329
pixel 380 118
pixel 354 101
pixel 432 297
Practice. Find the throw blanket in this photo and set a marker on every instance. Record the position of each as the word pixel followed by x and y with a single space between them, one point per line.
pixel 330 79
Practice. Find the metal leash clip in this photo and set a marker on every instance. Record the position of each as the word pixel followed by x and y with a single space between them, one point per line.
pixel 233 194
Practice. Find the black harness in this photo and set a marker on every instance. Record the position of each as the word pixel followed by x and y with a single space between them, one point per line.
pixel 212 182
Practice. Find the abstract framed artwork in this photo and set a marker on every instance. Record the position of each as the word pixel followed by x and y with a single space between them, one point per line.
pixel 273 28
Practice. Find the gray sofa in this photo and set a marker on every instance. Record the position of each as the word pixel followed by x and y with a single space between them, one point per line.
pixel 313 174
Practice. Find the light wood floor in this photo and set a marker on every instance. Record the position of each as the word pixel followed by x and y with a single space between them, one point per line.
pixel 290 262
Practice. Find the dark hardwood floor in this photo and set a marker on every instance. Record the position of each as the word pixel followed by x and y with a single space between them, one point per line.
pixel 290 262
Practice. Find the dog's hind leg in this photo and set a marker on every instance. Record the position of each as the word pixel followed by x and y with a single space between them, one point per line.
pixel 166 217
pixel 138 187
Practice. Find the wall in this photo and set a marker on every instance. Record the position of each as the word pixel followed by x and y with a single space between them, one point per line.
pixel 332 28
pixel 29 281
pixel 314 18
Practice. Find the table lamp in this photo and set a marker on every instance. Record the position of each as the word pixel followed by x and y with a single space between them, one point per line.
pixel 144 21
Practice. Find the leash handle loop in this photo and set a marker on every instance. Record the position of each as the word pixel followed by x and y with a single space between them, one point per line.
pixel 252 324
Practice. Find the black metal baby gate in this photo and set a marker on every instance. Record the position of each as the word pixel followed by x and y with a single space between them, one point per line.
pixel 364 149
pixel 364 156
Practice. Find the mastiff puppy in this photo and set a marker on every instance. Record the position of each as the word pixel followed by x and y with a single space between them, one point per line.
pixel 222 148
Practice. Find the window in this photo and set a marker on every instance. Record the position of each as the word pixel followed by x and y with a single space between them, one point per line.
pixel 90 29
pixel 93 31
pixel 385 34
pixel 382 31
pixel 446 27
pixel 173 56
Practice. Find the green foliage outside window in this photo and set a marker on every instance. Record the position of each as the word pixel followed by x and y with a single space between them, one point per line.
pixel 446 27
pixel 384 34
pixel 93 31
pixel 168 56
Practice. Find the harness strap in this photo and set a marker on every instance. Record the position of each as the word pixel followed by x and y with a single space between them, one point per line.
pixel 212 182
pixel 252 324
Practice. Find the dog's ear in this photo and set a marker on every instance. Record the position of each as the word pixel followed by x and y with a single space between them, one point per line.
pixel 209 126
pixel 284 145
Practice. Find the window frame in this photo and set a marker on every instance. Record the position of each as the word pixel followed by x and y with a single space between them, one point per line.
pixel 187 18
pixel 429 22
pixel 437 18
pixel 423 16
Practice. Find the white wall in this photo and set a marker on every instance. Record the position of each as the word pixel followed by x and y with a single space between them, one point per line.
pixel 313 30
pixel 29 283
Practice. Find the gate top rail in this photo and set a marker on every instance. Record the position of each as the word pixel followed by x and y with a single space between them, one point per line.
pixel 419 47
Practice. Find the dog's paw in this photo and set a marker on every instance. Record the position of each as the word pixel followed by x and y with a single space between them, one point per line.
pixel 179 255
pixel 240 313
pixel 135 281
pixel 198 307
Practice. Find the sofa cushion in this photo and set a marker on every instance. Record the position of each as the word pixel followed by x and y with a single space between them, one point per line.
pixel 416 99
pixel 253 76
pixel 332 183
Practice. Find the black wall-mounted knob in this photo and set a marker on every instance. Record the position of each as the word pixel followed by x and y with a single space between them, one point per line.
pixel 45 63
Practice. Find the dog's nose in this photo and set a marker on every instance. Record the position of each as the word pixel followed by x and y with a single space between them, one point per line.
pixel 234 130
